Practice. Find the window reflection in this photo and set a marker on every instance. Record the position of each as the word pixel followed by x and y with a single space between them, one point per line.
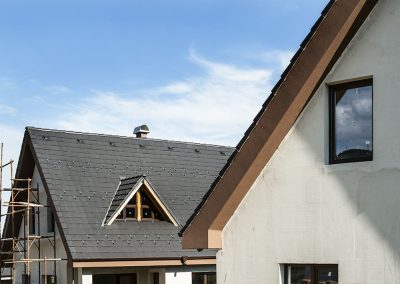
pixel 327 276
pixel 300 275
pixel 352 122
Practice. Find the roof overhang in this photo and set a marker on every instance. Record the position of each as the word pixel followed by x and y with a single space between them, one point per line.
pixel 144 263
pixel 318 53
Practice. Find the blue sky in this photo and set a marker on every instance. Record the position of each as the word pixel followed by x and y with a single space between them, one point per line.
pixel 195 70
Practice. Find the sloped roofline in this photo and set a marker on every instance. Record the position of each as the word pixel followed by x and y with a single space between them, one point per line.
pixel 26 164
pixel 320 50
pixel 143 181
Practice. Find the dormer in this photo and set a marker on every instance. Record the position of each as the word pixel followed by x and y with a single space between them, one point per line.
pixel 136 200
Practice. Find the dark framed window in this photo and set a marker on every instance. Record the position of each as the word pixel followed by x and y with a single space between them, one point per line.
pixel 350 122
pixel 51 279
pixel 115 278
pixel 204 278
pixel 140 208
pixel 311 274
pixel 155 278
pixel 26 279
pixel 50 218
pixel 32 221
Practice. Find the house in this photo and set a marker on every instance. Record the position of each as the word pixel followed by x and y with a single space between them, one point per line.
pixel 311 194
pixel 107 209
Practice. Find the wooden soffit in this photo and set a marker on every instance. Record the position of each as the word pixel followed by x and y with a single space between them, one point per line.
pixel 318 53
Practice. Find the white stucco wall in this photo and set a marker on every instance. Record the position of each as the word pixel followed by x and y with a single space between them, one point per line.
pixel 302 210
pixel 178 278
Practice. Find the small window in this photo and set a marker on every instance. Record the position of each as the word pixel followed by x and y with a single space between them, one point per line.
pixel 155 278
pixel 351 122
pixel 204 278
pixel 311 274
pixel 50 218
pixel 49 279
pixel 32 221
pixel 140 207
pixel 26 279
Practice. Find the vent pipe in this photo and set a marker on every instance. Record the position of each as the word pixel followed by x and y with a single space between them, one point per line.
pixel 141 131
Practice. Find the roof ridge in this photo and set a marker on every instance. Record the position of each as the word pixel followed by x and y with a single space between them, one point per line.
pixel 127 137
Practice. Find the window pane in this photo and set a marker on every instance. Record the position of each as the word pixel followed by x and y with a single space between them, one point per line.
pixel 353 122
pixel 300 275
pixel 105 279
pixel 146 212
pixel 211 278
pixel 128 279
pixel 198 278
pixel 328 275
pixel 130 212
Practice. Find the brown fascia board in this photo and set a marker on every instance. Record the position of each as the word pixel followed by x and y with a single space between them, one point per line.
pixel 319 52
pixel 149 262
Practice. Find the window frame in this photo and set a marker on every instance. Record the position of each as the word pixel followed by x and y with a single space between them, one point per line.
pixel 139 206
pixel 332 120
pixel 314 271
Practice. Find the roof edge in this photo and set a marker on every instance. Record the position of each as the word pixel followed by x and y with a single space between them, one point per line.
pixel 338 24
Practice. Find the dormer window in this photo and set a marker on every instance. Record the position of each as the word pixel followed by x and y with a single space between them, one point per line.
pixel 139 208
pixel 137 200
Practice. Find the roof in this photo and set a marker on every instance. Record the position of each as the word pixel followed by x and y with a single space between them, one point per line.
pixel 81 172
pixel 319 51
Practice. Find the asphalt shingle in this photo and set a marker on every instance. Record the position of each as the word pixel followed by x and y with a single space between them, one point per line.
pixel 83 171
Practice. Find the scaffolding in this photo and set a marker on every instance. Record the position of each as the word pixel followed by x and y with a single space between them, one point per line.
pixel 24 203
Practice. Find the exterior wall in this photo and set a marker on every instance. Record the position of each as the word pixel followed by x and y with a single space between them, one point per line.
pixel 302 210
pixel 46 249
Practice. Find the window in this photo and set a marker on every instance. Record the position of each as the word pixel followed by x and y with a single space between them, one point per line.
pixel 26 279
pixel 32 221
pixel 155 278
pixel 204 278
pixel 350 108
pixel 115 278
pixel 311 274
pixel 51 279
pixel 50 218
pixel 140 207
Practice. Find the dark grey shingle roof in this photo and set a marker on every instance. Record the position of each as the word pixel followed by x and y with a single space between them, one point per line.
pixel 82 177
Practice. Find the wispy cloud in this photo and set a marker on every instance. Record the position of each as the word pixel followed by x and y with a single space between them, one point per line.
pixel 5 109
pixel 7 83
pixel 57 90
pixel 216 107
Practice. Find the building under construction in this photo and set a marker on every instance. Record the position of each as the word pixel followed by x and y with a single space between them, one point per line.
pixel 87 208
pixel 28 251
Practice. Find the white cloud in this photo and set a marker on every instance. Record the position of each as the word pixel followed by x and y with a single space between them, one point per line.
pixel 4 109
pixel 57 90
pixel 216 107
pixel 282 58
pixel 7 83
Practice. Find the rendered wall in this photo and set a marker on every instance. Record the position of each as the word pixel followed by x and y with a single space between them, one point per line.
pixel 302 210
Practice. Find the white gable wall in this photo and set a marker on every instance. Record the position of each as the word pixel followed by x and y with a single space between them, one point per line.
pixel 302 210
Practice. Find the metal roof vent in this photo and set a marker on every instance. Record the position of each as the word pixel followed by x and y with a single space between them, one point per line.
pixel 141 131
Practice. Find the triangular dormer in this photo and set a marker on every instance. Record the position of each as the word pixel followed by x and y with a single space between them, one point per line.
pixel 137 200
